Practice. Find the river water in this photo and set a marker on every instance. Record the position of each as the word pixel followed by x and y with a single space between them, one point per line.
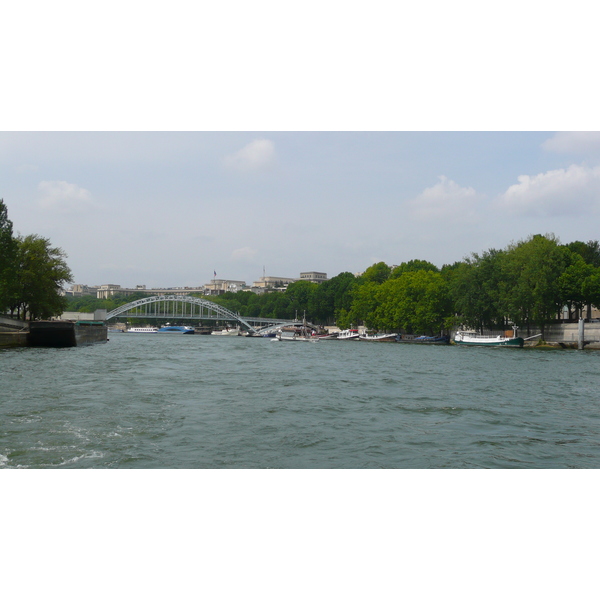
pixel 207 402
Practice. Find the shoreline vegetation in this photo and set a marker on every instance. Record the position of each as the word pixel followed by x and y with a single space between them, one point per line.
pixel 32 274
pixel 531 284
pixel 527 284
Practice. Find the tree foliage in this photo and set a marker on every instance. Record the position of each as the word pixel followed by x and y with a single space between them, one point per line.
pixel 416 302
pixel 32 273
pixel 8 250
pixel 476 287
pixel 377 273
pixel 41 273
pixel 412 265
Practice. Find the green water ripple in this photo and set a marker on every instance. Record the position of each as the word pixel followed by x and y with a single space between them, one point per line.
pixel 200 402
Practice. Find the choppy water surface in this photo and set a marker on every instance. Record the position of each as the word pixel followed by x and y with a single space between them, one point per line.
pixel 176 401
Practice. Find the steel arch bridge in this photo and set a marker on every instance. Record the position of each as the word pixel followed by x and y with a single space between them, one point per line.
pixel 186 307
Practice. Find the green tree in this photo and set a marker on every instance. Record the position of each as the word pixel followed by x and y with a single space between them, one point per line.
pixel 365 301
pixel 343 318
pixel 590 252
pixel 572 284
pixel 331 297
pixel 531 270
pixel 8 250
pixel 299 296
pixel 377 273
pixel 416 302
pixel 413 265
pixel 41 274
pixel 476 289
pixel 591 287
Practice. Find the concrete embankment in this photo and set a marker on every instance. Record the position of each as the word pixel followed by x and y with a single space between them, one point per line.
pixel 58 334
pixel 64 334
pixel 13 332
pixel 10 339
pixel 566 335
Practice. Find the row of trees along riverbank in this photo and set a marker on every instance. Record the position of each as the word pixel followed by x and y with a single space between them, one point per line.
pixel 32 274
pixel 528 283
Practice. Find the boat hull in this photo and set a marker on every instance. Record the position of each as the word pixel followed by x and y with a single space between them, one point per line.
pixel 177 329
pixel 386 337
pixel 509 342
pixel 441 340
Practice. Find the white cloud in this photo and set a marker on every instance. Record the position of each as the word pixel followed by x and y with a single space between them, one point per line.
pixel 63 197
pixel 245 253
pixel 574 142
pixel 554 193
pixel 254 156
pixel 444 200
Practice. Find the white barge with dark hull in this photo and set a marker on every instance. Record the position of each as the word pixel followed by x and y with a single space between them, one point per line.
pixel 464 338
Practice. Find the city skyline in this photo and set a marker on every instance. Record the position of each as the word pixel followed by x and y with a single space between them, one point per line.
pixel 171 209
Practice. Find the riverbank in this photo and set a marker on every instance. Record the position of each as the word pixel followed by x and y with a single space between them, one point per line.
pixel 58 334
pixel 12 339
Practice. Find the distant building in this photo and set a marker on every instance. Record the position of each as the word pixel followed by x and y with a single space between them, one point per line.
pixel 273 283
pixel 220 286
pixel 78 290
pixel 267 283
pixel 313 276
pixel 109 290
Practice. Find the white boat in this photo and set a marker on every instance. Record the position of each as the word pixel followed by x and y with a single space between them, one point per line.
pixel 298 334
pixel 377 337
pixel 142 330
pixel 348 334
pixel 468 338
pixel 227 331
pixel 295 336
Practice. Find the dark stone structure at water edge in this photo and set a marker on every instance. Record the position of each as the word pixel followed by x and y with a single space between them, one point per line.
pixel 63 334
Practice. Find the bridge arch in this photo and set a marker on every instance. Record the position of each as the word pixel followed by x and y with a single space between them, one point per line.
pixel 174 306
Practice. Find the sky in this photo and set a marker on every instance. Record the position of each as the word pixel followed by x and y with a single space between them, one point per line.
pixel 163 146
pixel 171 208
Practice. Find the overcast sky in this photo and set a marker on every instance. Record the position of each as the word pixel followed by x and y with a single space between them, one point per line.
pixel 302 144
pixel 169 209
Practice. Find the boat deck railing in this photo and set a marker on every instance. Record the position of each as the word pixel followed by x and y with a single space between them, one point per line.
pixel 486 334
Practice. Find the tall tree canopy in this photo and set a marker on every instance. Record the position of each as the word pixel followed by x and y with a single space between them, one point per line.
pixel 417 302
pixel 8 248
pixel 40 276
pixel 378 273
pixel 476 287
pixel 413 265
pixel 531 271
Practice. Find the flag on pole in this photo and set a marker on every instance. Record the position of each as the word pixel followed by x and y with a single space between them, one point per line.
pixel 215 273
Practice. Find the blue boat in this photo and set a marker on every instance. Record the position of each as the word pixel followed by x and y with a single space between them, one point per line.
pixel 176 329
